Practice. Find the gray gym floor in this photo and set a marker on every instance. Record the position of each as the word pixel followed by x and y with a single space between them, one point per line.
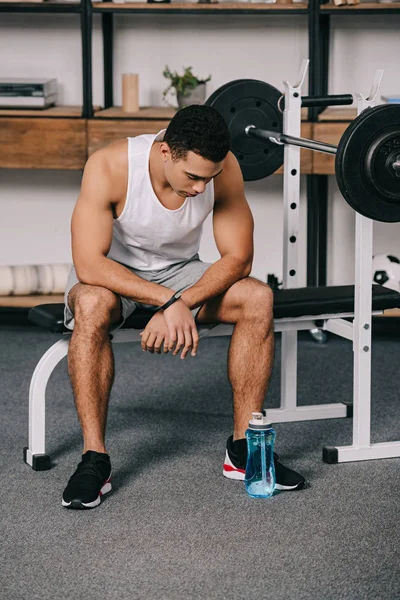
pixel 174 527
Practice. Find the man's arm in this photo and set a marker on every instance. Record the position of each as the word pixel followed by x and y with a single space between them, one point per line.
pixel 92 228
pixel 233 232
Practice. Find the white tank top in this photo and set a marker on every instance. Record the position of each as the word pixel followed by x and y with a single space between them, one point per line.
pixel 147 236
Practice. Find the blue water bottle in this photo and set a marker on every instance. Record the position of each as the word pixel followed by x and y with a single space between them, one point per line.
pixel 260 469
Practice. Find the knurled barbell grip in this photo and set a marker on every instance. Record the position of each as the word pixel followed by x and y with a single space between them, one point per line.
pixel 281 138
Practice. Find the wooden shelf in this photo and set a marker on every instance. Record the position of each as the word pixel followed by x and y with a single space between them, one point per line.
pixel 157 113
pixel 58 139
pixel 363 7
pixel 189 7
pixel 18 3
pixel 338 114
pixel 102 132
pixel 324 164
pixel 306 156
pixel 38 6
pixel 391 312
pixel 37 143
pixel 29 301
pixel 152 112
pixel 53 111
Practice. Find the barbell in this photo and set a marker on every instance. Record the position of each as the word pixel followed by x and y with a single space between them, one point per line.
pixel 367 158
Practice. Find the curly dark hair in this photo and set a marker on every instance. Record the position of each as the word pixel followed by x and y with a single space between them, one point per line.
pixel 199 129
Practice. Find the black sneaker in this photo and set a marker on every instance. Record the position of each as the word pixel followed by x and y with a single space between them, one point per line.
pixel 90 481
pixel 235 466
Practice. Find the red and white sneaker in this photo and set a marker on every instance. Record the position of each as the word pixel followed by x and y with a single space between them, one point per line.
pixel 235 467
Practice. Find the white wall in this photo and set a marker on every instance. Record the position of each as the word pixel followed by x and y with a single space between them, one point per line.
pixel 36 206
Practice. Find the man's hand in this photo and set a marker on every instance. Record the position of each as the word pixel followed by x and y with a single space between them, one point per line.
pixel 182 330
pixel 154 334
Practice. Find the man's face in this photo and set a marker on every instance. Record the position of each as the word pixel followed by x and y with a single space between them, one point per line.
pixel 189 176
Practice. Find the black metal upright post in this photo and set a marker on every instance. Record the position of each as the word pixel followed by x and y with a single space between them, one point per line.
pixel 108 31
pixel 317 185
pixel 86 33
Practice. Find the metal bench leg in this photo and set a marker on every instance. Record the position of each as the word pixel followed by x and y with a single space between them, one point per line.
pixel 361 448
pixel 34 454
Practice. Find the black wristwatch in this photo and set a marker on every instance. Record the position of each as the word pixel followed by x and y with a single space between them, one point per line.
pixel 173 299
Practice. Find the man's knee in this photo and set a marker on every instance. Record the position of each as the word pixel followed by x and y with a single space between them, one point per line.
pixel 91 303
pixel 257 299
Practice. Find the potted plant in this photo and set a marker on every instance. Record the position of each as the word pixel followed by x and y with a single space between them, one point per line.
pixel 189 88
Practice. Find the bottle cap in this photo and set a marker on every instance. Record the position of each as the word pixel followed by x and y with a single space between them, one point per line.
pixel 259 421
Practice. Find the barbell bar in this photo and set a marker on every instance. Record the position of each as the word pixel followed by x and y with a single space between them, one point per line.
pixel 367 161
pixel 282 138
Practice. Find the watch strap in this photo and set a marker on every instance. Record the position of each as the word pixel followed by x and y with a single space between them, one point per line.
pixel 171 301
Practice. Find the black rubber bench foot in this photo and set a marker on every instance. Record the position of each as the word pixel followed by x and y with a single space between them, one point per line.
pixel 40 462
pixel 349 410
pixel 330 455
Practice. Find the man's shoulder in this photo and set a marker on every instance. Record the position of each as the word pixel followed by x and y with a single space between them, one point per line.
pixel 110 166
pixel 113 156
pixel 230 179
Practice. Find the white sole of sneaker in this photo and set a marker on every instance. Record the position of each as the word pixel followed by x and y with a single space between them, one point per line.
pixel 107 487
pixel 230 471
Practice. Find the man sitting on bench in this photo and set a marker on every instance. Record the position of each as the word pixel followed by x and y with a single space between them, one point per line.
pixel 136 231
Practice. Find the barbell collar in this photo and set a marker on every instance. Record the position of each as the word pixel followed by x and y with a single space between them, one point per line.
pixel 396 166
pixel 281 138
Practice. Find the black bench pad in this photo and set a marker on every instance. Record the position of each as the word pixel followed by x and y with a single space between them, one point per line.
pixel 297 302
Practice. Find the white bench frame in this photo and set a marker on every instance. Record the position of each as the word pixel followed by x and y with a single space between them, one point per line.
pixel 358 331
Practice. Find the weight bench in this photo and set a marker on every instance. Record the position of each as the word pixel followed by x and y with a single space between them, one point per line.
pixel 329 308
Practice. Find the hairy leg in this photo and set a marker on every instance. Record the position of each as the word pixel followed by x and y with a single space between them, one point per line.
pixel 91 360
pixel 249 305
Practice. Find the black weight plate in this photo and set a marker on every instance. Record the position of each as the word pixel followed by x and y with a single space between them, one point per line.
pixel 364 163
pixel 251 102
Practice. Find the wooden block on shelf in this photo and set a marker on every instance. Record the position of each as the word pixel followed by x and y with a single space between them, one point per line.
pixel 306 156
pixel 324 164
pixel 27 143
pixel 29 301
pixel 103 132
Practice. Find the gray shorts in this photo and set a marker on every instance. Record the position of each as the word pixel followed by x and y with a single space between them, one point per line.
pixel 178 277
